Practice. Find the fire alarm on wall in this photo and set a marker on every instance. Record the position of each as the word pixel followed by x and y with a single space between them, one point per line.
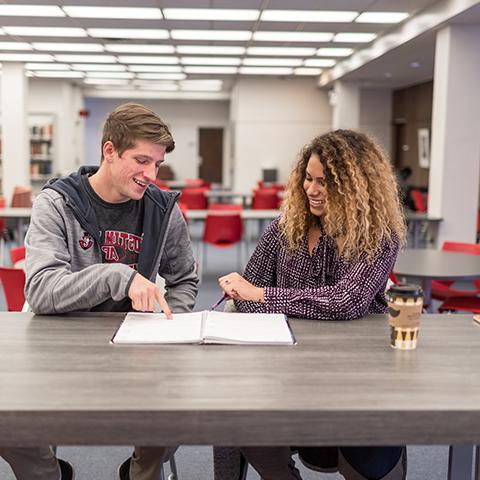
pixel 84 113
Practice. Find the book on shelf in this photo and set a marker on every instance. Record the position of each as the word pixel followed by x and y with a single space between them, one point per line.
pixel 205 327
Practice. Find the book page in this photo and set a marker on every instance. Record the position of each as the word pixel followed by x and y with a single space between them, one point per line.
pixel 154 328
pixel 247 328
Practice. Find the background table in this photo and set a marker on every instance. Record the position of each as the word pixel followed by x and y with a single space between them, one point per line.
pixel 424 265
pixel 63 383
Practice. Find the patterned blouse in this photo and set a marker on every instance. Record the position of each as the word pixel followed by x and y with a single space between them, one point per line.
pixel 320 286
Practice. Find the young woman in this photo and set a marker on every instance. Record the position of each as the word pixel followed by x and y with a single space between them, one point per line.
pixel 328 257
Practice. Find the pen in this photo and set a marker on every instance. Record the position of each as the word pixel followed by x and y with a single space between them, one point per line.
pixel 219 301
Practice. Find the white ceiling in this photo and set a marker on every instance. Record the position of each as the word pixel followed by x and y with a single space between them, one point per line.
pixel 393 68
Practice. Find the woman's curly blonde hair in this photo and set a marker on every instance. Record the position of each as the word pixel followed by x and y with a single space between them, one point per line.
pixel 362 206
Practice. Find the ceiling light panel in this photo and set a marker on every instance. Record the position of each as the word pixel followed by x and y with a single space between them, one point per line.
pixel 210 70
pixel 45 31
pixel 106 81
pixel 211 14
pixel 334 52
pixel 266 70
pixel 161 76
pixel 157 59
pixel 210 61
pixel 155 68
pixel 319 62
pixel 85 58
pixel 54 74
pixel 31 11
pixel 140 33
pixel 68 47
pixel 200 88
pixel 87 67
pixel 113 12
pixel 352 37
pixel 273 62
pixel 15 46
pixel 231 35
pixel 307 71
pixel 160 86
pixel 209 50
pixel 292 36
pixel 381 17
pixel 282 51
pixel 319 16
pixel 139 48
pixel 47 66
pixel 110 75
pixel 25 57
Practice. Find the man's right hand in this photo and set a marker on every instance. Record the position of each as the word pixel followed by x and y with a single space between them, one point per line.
pixel 144 294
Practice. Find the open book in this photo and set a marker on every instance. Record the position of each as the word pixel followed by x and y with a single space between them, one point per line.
pixel 205 327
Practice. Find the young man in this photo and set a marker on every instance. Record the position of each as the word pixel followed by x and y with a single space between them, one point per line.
pixel 96 241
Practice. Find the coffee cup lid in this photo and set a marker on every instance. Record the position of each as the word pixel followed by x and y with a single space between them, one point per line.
pixel 405 290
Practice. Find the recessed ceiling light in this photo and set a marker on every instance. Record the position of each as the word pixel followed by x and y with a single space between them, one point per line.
pixel 352 37
pixel 161 76
pixel 86 67
pixel 160 86
pixel 47 66
pixel 211 14
pixel 210 70
pixel 106 81
pixel 15 46
pixel 155 68
pixel 132 48
pixel 273 62
pixel 292 36
pixel 282 51
pixel 238 35
pixel 319 62
pixel 113 12
pixel 45 31
pixel 266 70
pixel 210 50
pixel 85 58
pixel 381 17
pixel 206 81
pixel 140 33
pixel 53 74
pixel 307 71
pixel 25 57
pixel 144 59
pixel 31 11
pixel 210 61
pixel 68 47
pixel 110 75
pixel 318 16
pixel 200 88
pixel 334 52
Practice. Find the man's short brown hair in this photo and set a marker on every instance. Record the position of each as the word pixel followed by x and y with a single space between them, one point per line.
pixel 131 122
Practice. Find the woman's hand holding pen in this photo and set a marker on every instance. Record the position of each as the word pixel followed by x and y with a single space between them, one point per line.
pixel 236 287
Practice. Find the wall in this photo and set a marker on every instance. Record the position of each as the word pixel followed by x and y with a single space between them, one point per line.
pixel 271 120
pixel 184 118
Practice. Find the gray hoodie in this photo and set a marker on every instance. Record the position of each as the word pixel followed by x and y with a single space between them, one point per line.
pixel 64 263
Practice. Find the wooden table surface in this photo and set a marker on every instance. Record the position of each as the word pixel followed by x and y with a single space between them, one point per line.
pixel 61 382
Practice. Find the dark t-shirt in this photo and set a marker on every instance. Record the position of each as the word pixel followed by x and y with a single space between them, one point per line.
pixel 121 235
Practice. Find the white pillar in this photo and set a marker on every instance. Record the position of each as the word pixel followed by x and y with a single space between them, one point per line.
pixel 15 135
pixel 345 101
pixel 455 151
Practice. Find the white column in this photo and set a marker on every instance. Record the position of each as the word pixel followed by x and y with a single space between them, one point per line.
pixel 15 135
pixel 345 100
pixel 455 151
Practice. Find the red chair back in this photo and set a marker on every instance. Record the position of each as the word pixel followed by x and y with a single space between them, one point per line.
pixel 419 200
pixel 194 198
pixel 13 282
pixel 223 230
pixel 17 254
pixel 265 199
pixel 225 206
pixel 195 183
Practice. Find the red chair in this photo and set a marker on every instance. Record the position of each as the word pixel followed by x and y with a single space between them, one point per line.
pixel 265 199
pixel 234 207
pixel 194 198
pixel 17 254
pixel 196 183
pixel 13 281
pixel 420 200
pixel 222 230
pixel 441 289
pixel 161 184
pixel 468 304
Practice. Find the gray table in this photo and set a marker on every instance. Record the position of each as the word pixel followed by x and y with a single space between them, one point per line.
pixel 424 265
pixel 63 383
pixel 20 215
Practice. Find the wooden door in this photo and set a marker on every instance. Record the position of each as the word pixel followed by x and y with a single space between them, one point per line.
pixel 210 150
